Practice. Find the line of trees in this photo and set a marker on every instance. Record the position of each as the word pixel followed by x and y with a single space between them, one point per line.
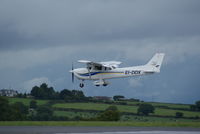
pixel 45 92
pixel 196 106
pixel 12 112
pixel 19 111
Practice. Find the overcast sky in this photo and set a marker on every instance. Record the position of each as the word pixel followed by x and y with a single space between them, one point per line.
pixel 40 39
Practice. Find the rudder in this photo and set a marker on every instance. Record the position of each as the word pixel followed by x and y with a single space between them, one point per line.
pixel 156 60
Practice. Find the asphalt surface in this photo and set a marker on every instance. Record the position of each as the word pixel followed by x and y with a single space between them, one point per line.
pixel 95 130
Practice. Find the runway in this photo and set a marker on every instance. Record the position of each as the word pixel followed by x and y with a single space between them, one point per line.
pixel 95 130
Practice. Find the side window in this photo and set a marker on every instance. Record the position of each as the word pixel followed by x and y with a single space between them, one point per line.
pixel 98 67
pixel 89 68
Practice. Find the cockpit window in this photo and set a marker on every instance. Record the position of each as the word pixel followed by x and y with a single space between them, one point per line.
pixel 98 67
pixel 89 68
pixel 113 67
pixel 109 68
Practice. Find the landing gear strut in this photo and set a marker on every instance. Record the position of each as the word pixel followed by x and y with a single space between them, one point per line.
pixel 81 85
pixel 105 84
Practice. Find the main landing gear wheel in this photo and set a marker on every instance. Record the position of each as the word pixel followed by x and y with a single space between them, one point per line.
pixel 81 85
pixel 105 84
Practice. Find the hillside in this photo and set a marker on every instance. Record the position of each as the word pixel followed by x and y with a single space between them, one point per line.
pixel 128 110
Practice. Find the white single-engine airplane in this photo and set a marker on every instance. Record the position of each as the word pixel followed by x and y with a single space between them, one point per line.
pixel 100 71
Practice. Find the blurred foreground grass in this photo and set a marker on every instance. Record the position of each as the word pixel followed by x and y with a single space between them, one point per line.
pixel 99 123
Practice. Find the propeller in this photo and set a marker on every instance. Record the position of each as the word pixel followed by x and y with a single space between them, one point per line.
pixel 72 72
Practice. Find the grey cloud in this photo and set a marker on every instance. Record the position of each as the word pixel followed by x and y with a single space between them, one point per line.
pixel 177 50
pixel 38 23
pixel 40 39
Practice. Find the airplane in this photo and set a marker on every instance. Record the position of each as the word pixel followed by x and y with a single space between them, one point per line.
pixel 101 71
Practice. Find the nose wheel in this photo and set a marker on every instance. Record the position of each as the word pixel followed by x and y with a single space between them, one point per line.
pixel 81 85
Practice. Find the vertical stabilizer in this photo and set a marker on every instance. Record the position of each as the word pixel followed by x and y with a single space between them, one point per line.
pixel 156 60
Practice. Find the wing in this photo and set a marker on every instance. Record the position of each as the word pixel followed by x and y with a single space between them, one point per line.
pixel 111 64
pixel 108 64
pixel 89 63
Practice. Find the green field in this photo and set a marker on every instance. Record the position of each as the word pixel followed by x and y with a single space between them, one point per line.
pixel 82 110
pixel 84 106
pixel 124 108
pixel 95 106
pixel 133 118
pixel 158 104
pixel 75 114
pixel 136 118
pixel 26 101
pixel 170 112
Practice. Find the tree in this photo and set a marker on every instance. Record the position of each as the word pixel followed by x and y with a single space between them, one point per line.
pixel 198 105
pixel 43 92
pixel 110 114
pixel 118 97
pixel 65 93
pixel 145 109
pixel 44 86
pixel 44 113
pixel 179 114
pixel 36 92
pixel 193 107
pixel 5 109
pixel 20 111
pixel 74 95
pixel 78 95
pixel 10 112
pixel 33 104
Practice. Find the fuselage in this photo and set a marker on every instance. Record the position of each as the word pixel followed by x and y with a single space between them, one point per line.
pixel 85 74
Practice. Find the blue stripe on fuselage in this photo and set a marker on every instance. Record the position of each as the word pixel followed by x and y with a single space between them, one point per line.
pixel 94 73
pixel 87 74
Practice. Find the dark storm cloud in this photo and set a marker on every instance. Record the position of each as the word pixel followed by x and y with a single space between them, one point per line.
pixel 44 23
pixel 40 39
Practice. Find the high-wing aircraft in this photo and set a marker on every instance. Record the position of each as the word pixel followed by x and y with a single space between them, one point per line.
pixel 101 71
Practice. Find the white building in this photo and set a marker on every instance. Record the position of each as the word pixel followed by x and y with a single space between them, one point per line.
pixel 8 92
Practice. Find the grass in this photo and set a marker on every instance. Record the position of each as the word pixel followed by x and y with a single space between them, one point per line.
pixel 84 106
pixel 74 114
pixel 169 112
pixel 99 123
pixel 135 118
pixel 124 108
pixel 26 101
pixel 126 120
pixel 95 106
pixel 170 105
